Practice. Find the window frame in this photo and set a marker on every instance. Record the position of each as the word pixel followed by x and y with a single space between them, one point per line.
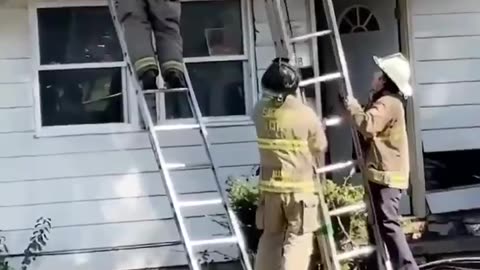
pixel 249 73
pixel 344 13
pixel 132 121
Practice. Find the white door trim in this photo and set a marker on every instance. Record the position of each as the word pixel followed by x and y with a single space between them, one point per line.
pixel 417 173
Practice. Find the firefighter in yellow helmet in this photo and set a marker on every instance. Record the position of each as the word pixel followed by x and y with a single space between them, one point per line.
pixel 291 139
pixel 382 125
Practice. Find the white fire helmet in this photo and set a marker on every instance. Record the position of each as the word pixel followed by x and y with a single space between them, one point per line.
pixel 397 67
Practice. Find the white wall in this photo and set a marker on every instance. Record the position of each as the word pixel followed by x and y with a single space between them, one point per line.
pixel 446 38
pixel 101 191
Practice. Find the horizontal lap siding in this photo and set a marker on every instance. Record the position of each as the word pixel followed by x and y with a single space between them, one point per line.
pixel 452 139
pixel 103 192
pixel 120 162
pixel 444 6
pixel 454 200
pixel 446 39
pixel 123 258
pixel 86 192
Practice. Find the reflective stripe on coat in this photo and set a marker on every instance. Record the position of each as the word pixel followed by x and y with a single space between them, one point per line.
pixel 383 126
pixel 291 138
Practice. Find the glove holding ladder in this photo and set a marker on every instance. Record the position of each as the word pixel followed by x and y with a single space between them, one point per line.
pixel 172 75
pixel 283 46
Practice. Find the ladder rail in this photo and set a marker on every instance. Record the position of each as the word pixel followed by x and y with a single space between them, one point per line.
pixel 347 87
pixel 328 241
pixel 311 5
pixel 231 217
pixel 176 204
pixel 179 220
pixel 283 47
pixel 339 54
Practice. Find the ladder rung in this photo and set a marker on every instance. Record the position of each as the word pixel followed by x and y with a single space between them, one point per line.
pixel 183 166
pixel 319 79
pixel 336 166
pixel 332 121
pixel 164 90
pixel 226 240
pixel 311 35
pixel 176 127
pixel 200 203
pixel 361 206
pixel 355 253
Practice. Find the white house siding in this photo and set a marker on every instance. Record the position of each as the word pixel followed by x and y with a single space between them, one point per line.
pixel 446 38
pixel 101 191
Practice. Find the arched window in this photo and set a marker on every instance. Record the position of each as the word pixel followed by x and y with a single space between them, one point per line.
pixel 358 19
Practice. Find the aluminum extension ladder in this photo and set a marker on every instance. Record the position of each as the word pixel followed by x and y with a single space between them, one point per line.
pixel 165 168
pixel 284 49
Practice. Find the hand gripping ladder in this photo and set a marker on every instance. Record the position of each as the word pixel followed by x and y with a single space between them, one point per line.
pixel 177 205
pixel 284 49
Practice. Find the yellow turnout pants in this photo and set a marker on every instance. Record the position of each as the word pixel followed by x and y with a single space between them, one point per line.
pixel 288 222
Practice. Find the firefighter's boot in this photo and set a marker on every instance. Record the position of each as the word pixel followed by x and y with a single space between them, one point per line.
pixel 149 79
pixel 174 78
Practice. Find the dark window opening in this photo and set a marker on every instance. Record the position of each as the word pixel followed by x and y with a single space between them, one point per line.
pixel 451 169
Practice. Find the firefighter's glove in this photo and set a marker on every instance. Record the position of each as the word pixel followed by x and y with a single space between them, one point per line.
pixel 351 101
pixel 352 105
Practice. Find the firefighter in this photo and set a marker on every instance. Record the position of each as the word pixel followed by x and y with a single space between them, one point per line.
pixel 291 140
pixel 382 126
pixel 139 18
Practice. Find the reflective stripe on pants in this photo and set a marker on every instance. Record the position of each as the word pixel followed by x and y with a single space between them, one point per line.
pixel 288 186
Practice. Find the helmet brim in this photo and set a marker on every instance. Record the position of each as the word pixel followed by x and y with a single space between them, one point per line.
pixel 403 86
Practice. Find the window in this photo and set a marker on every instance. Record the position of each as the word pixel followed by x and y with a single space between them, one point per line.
pixel 82 82
pixel 358 19
pixel 216 57
pixel 80 70
pixel 451 169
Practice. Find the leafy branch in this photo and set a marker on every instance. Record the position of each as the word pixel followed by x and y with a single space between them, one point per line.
pixel 37 242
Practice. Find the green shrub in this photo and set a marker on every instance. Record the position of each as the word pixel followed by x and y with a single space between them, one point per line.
pixel 243 196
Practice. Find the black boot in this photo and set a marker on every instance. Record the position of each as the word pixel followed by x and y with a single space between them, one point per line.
pixel 174 78
pixel 149 79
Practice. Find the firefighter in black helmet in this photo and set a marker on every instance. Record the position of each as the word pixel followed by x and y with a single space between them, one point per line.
pixel 280 77
pixel 291 139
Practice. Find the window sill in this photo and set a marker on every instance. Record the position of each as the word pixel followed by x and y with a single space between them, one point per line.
pixel 79 130
pixel 213 122
pixel 98 129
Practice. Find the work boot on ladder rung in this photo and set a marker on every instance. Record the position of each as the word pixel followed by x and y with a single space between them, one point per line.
pixel 149 79
pixel 174 79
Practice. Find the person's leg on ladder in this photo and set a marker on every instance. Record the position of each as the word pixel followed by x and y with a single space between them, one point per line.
pixel 137 29
pixel 387 205
pixel 165 16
